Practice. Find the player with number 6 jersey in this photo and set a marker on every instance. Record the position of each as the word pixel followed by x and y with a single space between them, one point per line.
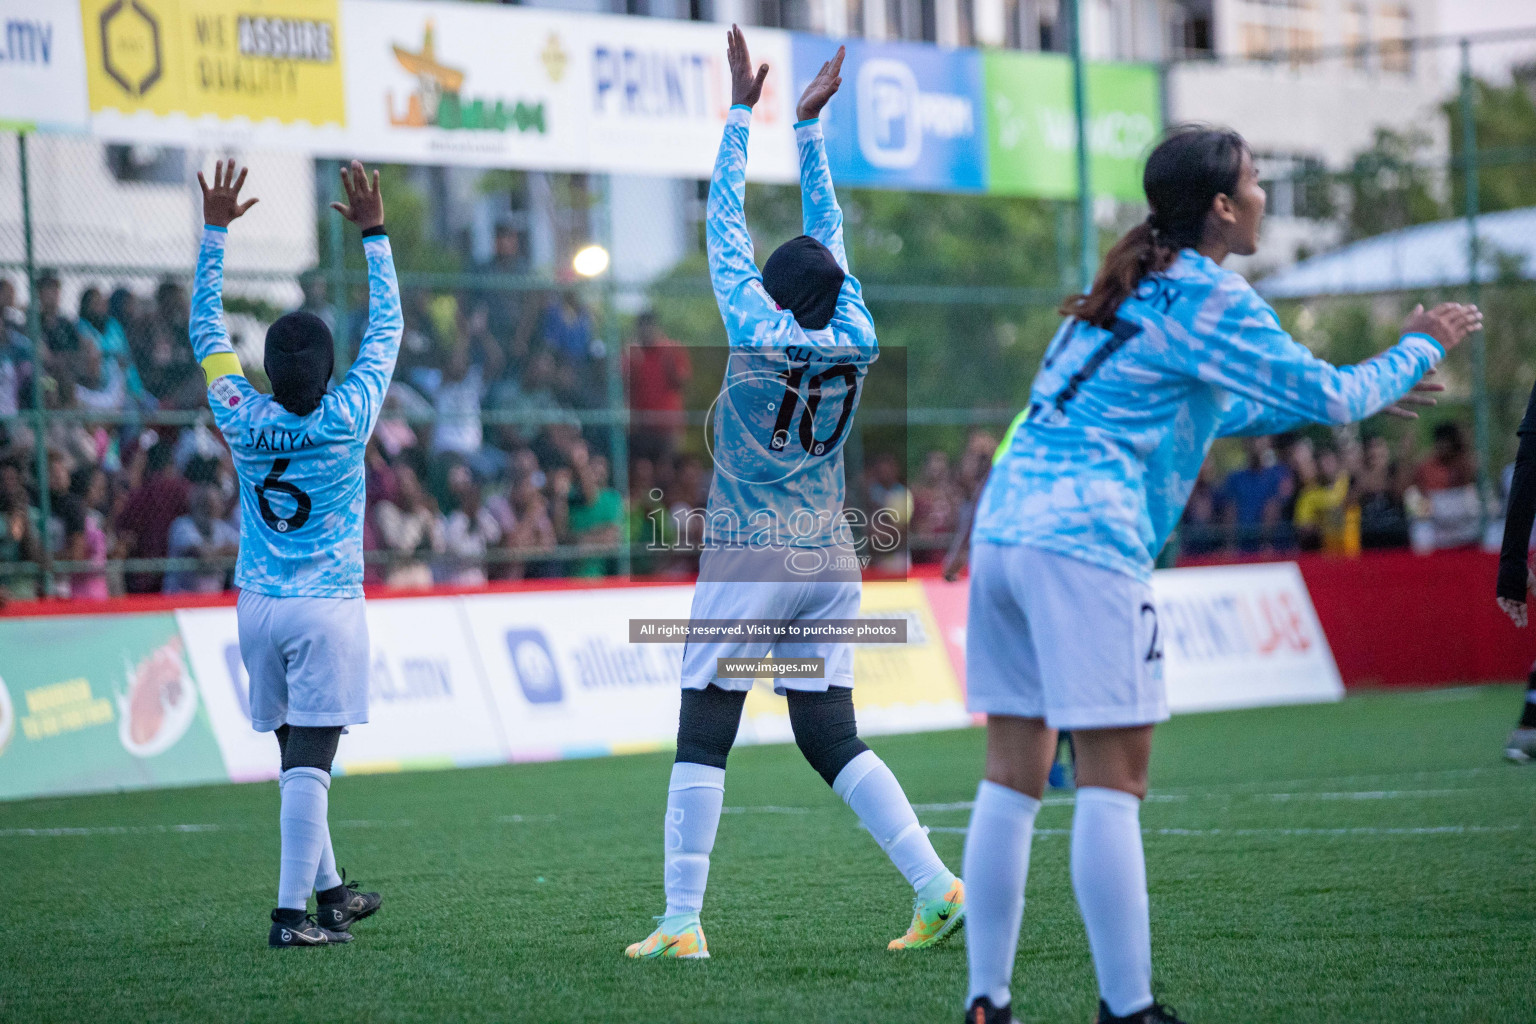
pixel 298 453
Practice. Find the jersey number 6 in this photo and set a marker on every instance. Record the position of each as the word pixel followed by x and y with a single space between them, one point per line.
pixel 274 482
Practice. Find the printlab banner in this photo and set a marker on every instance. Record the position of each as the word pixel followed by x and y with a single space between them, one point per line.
pixel 1242 636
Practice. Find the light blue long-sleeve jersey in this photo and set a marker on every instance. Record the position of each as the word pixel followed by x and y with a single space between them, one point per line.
pixel 301 477
pixel 787 403
pixel 1101 463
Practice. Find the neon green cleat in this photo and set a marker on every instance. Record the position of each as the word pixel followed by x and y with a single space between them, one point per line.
pixel 934 916
pixel 676 938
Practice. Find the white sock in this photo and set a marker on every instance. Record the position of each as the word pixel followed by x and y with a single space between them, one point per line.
pixel 1109 875
pixel 694 798
pixel 996 866
pixel 326 876
pixel 304 833
pixel 867 786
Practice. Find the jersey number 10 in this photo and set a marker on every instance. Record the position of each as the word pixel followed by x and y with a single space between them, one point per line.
pixel 812 444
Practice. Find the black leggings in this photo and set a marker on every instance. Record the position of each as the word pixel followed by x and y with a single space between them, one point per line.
pixel 824 725
pixel 306 746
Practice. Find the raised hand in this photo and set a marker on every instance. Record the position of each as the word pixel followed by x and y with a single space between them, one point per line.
pixel 1422 395
pixel 746 87
pixel 221 203
pixel 1448 323
pixel 821 88
pixel 1515 610
pixel 364 206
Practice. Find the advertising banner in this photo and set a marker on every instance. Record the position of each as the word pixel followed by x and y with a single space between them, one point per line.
pixel 908 115
pixel 1242 636
pixel 91 703
pixel 658 93
pixel 189 70
pixel 1032 129
pixel 439 82
pixel 566 681
pixel 427 704
pixel 464 84
pixel 42 65
pixel 899 688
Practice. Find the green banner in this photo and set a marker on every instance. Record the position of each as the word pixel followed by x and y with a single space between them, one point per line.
pixel 1032 132
pixel 91 703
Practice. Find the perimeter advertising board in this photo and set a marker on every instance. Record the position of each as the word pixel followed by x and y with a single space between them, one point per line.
pixel 438 82
pixel 90 703
pixel 183 71
pixel 1032 128
pixel 42 65
pixel 908 116
pixel 428 706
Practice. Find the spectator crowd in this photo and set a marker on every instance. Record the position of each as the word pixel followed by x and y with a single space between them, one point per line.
pixel 481 468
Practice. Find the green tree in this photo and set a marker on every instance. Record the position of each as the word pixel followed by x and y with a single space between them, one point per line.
pixel 1504 121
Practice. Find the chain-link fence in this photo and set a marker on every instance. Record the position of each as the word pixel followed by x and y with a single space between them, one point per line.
pixel 547 424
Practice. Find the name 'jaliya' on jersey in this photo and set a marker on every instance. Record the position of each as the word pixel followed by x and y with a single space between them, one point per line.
pixel 302 496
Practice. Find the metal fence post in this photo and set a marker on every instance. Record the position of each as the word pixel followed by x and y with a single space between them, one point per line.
pixel 1480 411
pixel 336 275
pixel 39 414
pixel 1088 256
pixel 618 436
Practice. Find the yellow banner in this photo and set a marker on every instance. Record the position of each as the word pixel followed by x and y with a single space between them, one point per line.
pixel 898 687
pixel 253 59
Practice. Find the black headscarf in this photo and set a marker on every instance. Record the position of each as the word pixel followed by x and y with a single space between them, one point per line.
pixel 803 277
pixel 299 359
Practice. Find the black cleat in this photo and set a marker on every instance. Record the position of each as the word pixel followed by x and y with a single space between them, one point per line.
pixel 983 1012
pixel 1157 1013
pixel 305 933
pixel 337 908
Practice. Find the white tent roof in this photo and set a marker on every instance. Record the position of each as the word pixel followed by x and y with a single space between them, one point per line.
pixel 1425 256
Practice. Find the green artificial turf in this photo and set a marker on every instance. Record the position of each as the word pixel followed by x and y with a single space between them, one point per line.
pixel 1373 860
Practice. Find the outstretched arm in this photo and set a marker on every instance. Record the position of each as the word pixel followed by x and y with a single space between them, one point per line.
pixel 1245 417
pixel 210 340
pixel 747 310
pixel 1236 343
pixel 362 392
pixel 823 217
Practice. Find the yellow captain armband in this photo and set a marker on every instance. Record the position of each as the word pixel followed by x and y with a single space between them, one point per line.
pixel 222 364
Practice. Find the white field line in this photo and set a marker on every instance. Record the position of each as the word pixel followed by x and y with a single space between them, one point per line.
pixel 140 830
pixel 1217 833
pixel 1153 798
pixel 933 808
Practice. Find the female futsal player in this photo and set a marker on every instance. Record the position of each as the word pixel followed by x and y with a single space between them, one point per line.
pixel 1164 354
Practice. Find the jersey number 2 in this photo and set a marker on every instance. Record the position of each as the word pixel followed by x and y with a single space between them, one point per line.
pixel 275 482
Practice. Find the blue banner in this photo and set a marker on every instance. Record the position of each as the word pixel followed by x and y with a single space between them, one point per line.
pixel 908 116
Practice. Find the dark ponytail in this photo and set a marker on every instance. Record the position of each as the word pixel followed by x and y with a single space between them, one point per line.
pixel 1184 174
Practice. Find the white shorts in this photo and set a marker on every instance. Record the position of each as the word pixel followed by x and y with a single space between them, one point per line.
pixel 1058 638
pixel 307 658
pixel 717 596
